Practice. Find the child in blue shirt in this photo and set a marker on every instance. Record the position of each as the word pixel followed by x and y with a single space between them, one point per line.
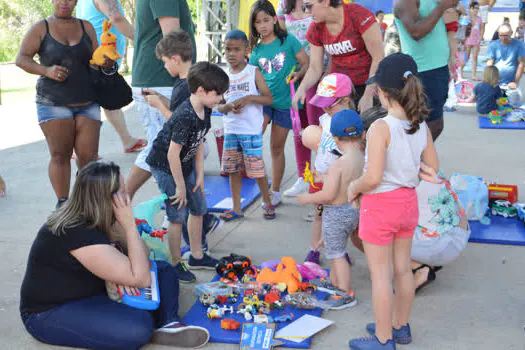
pixel 488 92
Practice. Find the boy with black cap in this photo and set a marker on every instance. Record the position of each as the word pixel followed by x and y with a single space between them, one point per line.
pixel 340 218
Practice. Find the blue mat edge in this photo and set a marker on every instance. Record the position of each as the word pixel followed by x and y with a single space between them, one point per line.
pixel 479 232
pixel 484 123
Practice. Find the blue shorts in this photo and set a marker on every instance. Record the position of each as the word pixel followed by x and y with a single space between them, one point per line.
pixel 46 113
pixel 279 117
pixel 196 205
pixel 435 84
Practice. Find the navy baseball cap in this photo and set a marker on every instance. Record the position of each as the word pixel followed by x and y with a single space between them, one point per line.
pixel 346 123
pixel 393 71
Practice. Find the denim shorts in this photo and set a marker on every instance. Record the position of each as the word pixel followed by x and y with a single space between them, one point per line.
pixel 46 113
pixel 435 84
pixel 196 205
pixel 280 117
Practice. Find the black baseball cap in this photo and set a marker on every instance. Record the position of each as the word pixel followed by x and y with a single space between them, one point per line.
pixel 393 70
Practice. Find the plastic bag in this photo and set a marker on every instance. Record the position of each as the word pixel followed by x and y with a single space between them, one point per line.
pixel 473 195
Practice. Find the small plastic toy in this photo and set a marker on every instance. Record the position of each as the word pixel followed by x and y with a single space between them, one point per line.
pixel 214 288
pixel 305 301
pixel 503 208
pixel 308 176
pixel 234 267
pixel 262 319
pixel 216 311
pixel 495 117
pixel 246 311
pixel 284 318
pixel 229 324
pixel 207 299
pixel 505 192
pixel 520 207
pixel 159 234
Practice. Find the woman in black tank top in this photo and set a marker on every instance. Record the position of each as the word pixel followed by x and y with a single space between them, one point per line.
pixel 67 115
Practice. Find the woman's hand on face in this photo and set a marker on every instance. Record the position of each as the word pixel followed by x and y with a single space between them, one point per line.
pixel 57 73
pixel 123 210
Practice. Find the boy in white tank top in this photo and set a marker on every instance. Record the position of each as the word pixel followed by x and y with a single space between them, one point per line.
pixel 243 124
pixel 389 215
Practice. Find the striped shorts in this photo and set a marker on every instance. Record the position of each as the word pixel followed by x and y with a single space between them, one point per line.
pixel 243 151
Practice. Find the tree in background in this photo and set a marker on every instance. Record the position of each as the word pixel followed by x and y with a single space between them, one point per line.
pixel 16 16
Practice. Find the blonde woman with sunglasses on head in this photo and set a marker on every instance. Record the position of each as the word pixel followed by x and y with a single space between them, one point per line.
pixel 63 296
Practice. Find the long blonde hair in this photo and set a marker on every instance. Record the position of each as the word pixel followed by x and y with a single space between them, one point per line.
pixel 91 201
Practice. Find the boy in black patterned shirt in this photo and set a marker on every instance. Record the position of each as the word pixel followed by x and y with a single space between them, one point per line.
pixel 177 163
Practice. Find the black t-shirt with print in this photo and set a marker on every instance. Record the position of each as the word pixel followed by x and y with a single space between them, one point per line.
pixel 180 92
pixel 53 276
pixel 184 128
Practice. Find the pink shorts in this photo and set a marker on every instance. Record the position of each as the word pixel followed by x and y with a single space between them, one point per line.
pixel 388 215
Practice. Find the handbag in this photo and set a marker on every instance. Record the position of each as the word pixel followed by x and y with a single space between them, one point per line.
pixel 111 91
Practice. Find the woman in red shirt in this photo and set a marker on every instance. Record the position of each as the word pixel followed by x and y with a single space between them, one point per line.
pixel 351 37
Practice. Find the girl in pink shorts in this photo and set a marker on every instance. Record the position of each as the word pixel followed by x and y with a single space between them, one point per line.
pixel 396 145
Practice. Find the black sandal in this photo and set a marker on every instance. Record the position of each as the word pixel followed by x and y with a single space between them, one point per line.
pixel 431 277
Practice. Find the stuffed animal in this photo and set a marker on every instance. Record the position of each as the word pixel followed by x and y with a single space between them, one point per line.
pixel 107 48
pixel 286 272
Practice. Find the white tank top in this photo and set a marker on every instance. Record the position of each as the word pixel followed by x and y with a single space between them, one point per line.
pixel 250 120
pixel 403 155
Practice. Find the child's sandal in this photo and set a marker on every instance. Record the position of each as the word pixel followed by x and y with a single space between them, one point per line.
pixel 269 212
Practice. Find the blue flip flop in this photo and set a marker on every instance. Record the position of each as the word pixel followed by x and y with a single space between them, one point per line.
pixel 232 216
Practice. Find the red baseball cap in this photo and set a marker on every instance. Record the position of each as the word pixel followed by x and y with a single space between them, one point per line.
pixel 332 87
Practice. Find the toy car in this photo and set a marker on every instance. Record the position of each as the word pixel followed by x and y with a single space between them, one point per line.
pixel 503 208
pixel 283 318
pixel 520 208
pixel 235 267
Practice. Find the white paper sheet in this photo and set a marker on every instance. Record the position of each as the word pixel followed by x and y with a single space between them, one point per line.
pixel 303 328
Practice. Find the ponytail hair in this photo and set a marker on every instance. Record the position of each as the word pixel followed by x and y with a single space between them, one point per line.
pixel 413 100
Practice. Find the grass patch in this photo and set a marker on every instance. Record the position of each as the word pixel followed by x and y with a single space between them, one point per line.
pixel 10 96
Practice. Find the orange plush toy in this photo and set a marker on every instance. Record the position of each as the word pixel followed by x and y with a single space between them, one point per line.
pixel 108 48
pixel 286 272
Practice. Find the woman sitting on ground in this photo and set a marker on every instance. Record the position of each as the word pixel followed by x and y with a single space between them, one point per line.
pixel 64 300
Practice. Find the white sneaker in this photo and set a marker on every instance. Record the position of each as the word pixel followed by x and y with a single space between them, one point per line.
pixel 276 198
pixel 298 187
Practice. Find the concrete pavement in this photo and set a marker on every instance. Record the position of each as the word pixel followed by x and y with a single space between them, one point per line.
pixel 477 302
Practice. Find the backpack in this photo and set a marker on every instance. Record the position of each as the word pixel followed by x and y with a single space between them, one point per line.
pixel 473 195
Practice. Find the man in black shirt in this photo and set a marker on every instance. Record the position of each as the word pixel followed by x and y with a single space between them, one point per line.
pixel 177 163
